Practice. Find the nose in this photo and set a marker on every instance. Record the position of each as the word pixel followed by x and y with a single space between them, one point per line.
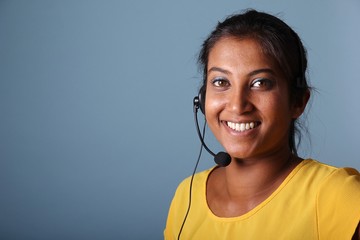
pixel 239 102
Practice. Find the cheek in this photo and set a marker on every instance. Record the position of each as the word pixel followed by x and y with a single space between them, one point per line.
pixel 213 108
pixel 277 108
pixel 213 105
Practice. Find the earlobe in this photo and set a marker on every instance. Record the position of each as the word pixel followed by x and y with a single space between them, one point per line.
pixel 300 104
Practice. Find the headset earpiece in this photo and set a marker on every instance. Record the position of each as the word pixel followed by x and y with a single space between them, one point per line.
pixel 201 98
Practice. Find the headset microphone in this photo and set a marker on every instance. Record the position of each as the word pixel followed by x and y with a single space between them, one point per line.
pixel 222 158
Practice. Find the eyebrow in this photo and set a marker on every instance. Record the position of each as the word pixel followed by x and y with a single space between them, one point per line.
pixel 217 69
pixel 257 71
pixel 262 70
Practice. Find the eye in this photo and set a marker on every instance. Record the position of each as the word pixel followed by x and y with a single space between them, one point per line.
pixel 262 83
pixel 220 82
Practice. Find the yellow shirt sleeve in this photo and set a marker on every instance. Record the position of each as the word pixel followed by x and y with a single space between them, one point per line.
pixel 338 205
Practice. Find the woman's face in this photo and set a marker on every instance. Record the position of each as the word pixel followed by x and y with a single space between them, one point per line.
pixel 247 100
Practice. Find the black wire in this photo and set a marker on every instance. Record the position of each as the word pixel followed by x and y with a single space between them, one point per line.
pixel 201 137
pixel 191 183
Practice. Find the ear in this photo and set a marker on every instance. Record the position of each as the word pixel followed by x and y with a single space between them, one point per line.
pixel 300 104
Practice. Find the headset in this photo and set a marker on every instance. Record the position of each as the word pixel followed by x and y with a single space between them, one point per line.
pixel 222 159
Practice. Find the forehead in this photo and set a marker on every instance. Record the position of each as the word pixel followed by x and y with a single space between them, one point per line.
pixel 236 52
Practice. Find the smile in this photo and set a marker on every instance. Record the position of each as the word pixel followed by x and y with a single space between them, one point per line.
pixel 241 127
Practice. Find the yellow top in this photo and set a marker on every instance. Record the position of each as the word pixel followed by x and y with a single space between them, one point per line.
pixel 315 201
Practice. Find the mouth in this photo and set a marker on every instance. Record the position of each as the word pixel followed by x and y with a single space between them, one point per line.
pixel 242 127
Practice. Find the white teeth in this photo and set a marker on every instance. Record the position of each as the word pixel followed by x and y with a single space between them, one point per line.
pixel 240 127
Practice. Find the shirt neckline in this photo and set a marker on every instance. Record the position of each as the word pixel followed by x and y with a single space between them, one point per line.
pixel 258 207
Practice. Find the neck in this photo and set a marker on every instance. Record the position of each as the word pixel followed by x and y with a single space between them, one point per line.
pixel 238 188
pixel 244 184
pixel 253 176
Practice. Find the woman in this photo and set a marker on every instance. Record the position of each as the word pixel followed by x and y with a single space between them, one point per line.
pixel 254 90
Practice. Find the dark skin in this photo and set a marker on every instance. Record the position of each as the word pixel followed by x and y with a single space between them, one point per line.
pixel 245 89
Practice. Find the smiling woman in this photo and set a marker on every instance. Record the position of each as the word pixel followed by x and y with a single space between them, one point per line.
pixel 254 90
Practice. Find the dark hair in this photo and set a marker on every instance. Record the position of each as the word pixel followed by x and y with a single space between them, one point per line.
pixel 278 41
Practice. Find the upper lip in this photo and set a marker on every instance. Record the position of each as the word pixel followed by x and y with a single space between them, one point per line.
pixel 241 121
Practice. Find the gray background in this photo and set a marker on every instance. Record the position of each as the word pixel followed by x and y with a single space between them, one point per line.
pixel 96 122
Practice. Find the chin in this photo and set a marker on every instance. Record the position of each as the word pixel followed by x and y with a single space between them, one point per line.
pixel 239 154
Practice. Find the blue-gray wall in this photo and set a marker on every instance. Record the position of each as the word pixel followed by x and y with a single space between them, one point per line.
pixel 96 122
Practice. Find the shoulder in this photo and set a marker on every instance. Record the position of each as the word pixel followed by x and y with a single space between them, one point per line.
pixel 340 190
pixel 312 166
pixel 195 184
pixel 341 179
pixel 331 180
pixel 196 181
pixel 180 203
pixel 324 174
